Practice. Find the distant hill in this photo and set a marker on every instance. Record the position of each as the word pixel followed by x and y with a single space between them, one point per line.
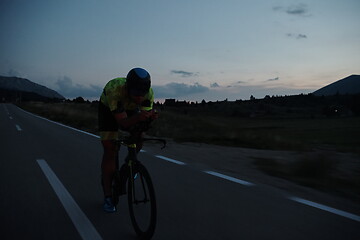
pixel 348 85
pixel 14 87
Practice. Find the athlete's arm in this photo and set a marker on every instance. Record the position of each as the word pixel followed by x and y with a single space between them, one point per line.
pixel 126 122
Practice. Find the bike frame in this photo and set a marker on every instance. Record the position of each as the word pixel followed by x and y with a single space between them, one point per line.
pixel 132 154
pixel 131 159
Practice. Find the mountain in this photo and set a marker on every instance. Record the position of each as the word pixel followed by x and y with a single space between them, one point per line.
pixel 11 87
pixel 348 85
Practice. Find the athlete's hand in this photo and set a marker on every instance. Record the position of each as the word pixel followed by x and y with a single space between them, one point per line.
pixel 144 115
pixel 155 115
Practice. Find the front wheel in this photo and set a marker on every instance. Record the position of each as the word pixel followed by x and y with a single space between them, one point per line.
pixel 142 203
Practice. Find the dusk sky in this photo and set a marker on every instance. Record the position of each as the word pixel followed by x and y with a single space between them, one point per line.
pixel 193 49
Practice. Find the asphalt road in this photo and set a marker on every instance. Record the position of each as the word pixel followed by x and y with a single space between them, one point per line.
pixel 50 189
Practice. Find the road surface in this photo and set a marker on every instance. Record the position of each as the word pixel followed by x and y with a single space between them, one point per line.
pixel 50 189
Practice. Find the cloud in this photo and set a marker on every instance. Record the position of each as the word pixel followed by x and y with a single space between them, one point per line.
pixel 277 8
pixel 237 84
pixel 174 90
pixel 273 79
pixel 300 9
pixel 214 85
pixel 184 73
pixel 297 36
pixel 12 73
pixel 241 82
pixel 67 88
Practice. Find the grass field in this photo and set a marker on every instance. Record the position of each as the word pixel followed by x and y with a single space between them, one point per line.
pixel 342 134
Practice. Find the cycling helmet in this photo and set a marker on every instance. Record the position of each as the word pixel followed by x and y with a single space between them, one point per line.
pixel 138 82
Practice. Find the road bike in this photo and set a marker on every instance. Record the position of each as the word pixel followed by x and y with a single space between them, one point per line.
pixel 134 179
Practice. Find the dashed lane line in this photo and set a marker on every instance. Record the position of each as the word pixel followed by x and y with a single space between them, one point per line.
pixel 170 160
pixel 232 179
pixel 18 127
pixel 326 208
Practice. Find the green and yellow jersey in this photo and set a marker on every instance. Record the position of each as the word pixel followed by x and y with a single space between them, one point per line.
pixel 117 99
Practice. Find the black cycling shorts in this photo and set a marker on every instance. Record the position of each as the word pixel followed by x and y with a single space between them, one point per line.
pixel 106 119
pixel 108 126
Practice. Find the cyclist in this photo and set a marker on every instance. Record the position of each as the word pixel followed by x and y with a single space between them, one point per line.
pixel 124 102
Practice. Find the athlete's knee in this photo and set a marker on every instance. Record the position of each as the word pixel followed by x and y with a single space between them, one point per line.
pixel 110 150
pixel 139 142
pixel 109 146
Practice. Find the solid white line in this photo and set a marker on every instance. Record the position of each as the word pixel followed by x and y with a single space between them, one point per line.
pixel 170 160
pixel 60 124
pixel 326 208
pixel 79 219
pixel 230 178
pixel 18 127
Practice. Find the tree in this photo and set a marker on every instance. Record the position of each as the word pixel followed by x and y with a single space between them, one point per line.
pixel 79 100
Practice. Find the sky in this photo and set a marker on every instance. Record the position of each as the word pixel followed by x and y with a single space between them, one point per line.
pixel 193 49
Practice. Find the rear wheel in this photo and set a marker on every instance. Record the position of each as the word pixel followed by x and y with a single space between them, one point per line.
pixel 142 203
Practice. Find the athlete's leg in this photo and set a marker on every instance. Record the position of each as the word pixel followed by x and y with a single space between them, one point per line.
pixel 108 165
pixel 108 133
pixel 139 142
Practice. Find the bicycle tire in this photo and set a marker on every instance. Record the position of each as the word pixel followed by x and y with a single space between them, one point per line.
pixel 140 185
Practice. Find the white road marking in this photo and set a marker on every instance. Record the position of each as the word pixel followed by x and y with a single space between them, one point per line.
pixel 18 127
pixel 79 219
pixel 170 160
pixel 60 124
pixel 242 182
pixel 326 208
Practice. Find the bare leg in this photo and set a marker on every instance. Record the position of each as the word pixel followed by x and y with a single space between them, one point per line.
pixel 108 165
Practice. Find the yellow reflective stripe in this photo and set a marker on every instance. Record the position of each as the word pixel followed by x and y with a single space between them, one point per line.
pixel 149 96
pixel 146 108
pixel 109 135
pixel 131 145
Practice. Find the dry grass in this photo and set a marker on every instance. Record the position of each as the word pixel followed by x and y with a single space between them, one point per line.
pixel 264 133
pixel 342 134
pixel 78 115
pixel 321 171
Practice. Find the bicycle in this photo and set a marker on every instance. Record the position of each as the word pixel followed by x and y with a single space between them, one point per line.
pixel 140 189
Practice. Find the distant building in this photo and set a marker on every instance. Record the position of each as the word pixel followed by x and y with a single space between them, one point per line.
pixel 170 102
pixel 174 103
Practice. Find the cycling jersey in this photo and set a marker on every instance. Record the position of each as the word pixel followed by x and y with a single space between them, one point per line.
pixel 115 99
